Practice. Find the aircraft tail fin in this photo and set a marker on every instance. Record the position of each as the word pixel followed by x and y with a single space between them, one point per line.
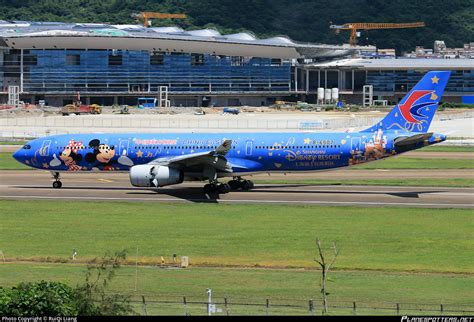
pixel 416 110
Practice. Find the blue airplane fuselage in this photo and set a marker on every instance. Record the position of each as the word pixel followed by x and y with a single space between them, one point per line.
pixel 250 152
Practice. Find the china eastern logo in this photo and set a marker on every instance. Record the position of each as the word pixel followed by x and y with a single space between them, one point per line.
pixel 410 110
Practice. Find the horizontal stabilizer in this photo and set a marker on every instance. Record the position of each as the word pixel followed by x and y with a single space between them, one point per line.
pixel 410 140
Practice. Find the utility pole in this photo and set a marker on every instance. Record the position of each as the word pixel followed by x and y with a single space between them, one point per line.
pixel 209 301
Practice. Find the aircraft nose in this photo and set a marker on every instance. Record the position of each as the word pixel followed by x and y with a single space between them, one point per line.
pixel 17 155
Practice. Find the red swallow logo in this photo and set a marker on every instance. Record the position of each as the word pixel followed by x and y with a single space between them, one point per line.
pixel 409 109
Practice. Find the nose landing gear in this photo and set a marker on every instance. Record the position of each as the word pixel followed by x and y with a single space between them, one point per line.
pixel 57 183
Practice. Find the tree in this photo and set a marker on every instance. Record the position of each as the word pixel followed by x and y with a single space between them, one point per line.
pixel 38 299
pixel 92 297
pixel 325 267
pixel 58 299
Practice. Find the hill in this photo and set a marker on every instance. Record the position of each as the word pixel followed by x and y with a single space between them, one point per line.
pixel 304 20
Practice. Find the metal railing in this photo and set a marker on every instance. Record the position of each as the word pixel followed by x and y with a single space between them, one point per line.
pixel 199 305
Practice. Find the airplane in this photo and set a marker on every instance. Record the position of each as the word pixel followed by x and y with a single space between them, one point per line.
pixel 157 159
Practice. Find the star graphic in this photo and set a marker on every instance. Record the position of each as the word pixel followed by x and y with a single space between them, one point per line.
pixel 433 96
pixel 434 80
pixel 45 165
pixel 139 154
pixel 307 141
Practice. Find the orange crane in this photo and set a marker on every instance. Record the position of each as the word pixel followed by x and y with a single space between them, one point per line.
pixel 355 26
pixel 146 16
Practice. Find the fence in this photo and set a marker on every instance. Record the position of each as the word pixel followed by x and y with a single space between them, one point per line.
pixel 195 305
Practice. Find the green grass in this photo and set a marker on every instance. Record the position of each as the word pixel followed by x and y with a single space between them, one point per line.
pixel 391 239
pixel 418 163
pixel 427 182
pixel 388 255
pixel 447 148
pixel 7 162
pixel 256 285
pixel 13 142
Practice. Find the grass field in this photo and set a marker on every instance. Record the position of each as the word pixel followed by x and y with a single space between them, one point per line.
pixel 8 163
pixel 12 142
pixel 447 148
pixel 296 287
pixel 388 255
pixel 403 162
pixel 393 239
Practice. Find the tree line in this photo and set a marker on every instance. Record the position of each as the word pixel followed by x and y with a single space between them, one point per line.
pixel 304 20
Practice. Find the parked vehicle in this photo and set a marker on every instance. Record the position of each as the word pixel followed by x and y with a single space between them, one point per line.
pixel 79 108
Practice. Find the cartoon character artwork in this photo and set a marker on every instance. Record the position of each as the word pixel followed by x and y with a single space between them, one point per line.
pixel 102 155
pixel 71 157
pixel 374 149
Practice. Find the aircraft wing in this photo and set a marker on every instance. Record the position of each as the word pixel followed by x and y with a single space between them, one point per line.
pixel 409 140
pixel 198 161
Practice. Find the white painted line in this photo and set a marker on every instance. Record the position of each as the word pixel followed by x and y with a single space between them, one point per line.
pixel 362 203
pixel 105 180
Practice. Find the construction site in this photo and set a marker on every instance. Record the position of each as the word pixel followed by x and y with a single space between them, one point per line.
pixel 52 64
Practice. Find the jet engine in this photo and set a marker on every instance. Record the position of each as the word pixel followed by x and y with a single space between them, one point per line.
pixel 146 175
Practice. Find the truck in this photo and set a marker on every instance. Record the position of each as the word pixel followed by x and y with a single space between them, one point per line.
pixel 79 108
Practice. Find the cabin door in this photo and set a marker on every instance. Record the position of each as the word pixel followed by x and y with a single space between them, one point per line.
pixel 248 148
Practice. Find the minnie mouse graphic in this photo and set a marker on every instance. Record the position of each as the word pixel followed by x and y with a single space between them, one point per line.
pixel 71 157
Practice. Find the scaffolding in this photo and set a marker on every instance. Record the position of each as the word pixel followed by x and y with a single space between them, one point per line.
pixel 368 94
pixel 163 100
pixel 14 95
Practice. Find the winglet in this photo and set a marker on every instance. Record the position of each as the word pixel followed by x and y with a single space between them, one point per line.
pixel 224 148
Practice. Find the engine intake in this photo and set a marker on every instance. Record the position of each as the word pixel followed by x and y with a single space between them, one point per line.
pixel 154 176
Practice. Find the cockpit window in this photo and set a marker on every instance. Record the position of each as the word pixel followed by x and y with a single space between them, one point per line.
pixel 27 147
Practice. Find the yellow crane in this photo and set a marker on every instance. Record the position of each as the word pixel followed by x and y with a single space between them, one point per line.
pixel 355 26
pixel 146 16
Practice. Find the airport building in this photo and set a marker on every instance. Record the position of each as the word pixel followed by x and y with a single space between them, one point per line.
pixel 389 79
pixel 118 64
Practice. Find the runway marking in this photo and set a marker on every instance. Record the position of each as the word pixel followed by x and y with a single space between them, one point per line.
pixel 412 204
pixel 105 180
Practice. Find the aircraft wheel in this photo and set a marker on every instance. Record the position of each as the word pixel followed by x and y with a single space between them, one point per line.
pixel 251 184
pixel 209 188
pixel 224 188
pixel 234 184
pixel 57 184
pixel 246 184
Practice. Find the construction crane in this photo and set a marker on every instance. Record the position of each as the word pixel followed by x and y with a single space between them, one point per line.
pixel 355 26
pixel 146 16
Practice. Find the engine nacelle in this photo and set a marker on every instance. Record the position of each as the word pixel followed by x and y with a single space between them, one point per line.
pixel 146 175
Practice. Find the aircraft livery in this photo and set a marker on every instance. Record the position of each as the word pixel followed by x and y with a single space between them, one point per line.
pixel 158 159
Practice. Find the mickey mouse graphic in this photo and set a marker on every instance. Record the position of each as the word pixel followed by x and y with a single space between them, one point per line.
pixel 70 155
pixel 103 154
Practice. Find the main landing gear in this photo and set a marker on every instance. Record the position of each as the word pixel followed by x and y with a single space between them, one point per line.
pixel 57 183
pixel 234 184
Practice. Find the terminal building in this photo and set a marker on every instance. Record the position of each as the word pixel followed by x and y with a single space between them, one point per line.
pixel 117 64
pixel 389 79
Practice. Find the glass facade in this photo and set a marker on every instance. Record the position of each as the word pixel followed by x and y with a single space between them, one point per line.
pixel 461 81
pixel 117 71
